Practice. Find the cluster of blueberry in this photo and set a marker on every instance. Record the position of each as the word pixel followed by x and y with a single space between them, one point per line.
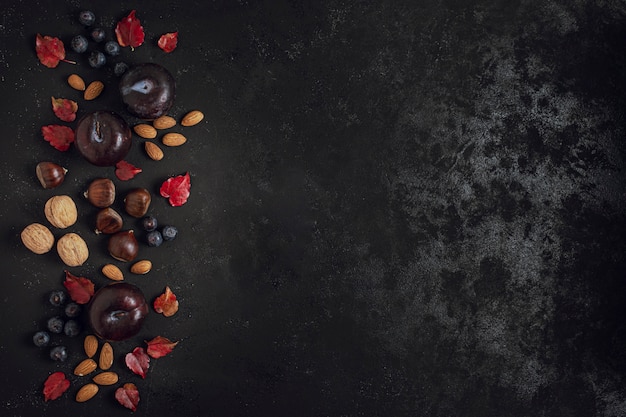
pixel 67 323
pixel 156 237
pixel 97 59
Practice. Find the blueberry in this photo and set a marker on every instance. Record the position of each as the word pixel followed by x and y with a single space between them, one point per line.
pixel 86 18
pixel 72 328
pixel 58 353
pixel 120 68
pixel 79 44
pixel 72 310
pixel 112 48
pixel 98 35
pixel 149 223
pixel 169 232
pixel 57 298
pixel 55 325
pixel 154 238
pixel 41 339
pixel 97 59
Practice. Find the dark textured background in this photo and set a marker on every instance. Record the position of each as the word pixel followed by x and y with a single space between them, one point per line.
pixel 398 208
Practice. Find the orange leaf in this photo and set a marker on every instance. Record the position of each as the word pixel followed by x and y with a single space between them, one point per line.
pixel 160 346
pixel 166 303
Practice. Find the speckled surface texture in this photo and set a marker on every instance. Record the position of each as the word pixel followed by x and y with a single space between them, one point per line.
pixel 398 208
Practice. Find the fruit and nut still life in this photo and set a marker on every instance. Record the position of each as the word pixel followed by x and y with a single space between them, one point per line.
pixel 116 311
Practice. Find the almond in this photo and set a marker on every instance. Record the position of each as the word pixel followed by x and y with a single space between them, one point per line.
pixel 154 152
pixel 76 82
pixel 192 118
pixel 112 272
pixel 106 356
pixel 85 367
pixel 93 90
pixel 141 267
pixel 106 378
pixel 173 139
pixel 87 392
pixel 145 131
pixel 164 122
pixel 90 345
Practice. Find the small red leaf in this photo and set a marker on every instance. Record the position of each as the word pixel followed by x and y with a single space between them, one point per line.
pixel 138 361
pixel 129 31
pixel 166 303
pixel 60 137
pixel 176 189
pixel 56 384
pixel 49 50
pixel 128 396
pixel 80 288
pixel 126 171
pixel 168 41
pixel 64 109
pixel 160 346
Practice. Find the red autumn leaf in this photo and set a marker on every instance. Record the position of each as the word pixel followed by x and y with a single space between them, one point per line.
pixel 138 361
pixel 60 137
pixel 64 109
pixel 126 171
pixel 129 31
pixel 168 41
pixel 80 288
pixel 56 384
pixel 176 189
pixel 160 346
pixel 128 396
pixel 166 303
pixel 50 51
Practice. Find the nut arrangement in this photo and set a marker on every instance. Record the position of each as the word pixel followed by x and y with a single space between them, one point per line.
pixel 103 138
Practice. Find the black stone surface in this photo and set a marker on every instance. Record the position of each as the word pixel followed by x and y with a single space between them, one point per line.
pixel 398 208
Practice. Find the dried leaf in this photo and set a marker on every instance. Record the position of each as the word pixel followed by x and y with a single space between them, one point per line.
pixel 128 396
pixel 56 384
pixel 160 346
pixel 168 41
pixel 129 31
pixel 81 289
pixel 60 137
pixel 176 189
pixel 138 361
pixel 126 171
pixel 64 109
pixel 166 303
pixel 50 51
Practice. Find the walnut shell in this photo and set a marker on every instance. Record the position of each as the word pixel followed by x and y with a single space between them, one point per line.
pixel 60 211
pixel 38 238
pixel 72 249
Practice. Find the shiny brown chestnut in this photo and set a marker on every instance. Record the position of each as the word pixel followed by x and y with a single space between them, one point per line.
pixel 49 174
pixel 108 221
pixel 137 202
pixel 101 192
pixel 123 246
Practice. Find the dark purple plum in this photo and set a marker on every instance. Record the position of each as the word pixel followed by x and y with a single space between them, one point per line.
pixel 148 90
pixel 117 311
pixel 103 138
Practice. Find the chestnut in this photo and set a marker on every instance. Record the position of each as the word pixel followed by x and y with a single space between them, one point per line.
pixel 123 246
pixel 101 192
pixel 49 174
pixel 108 221
pixel 137 202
